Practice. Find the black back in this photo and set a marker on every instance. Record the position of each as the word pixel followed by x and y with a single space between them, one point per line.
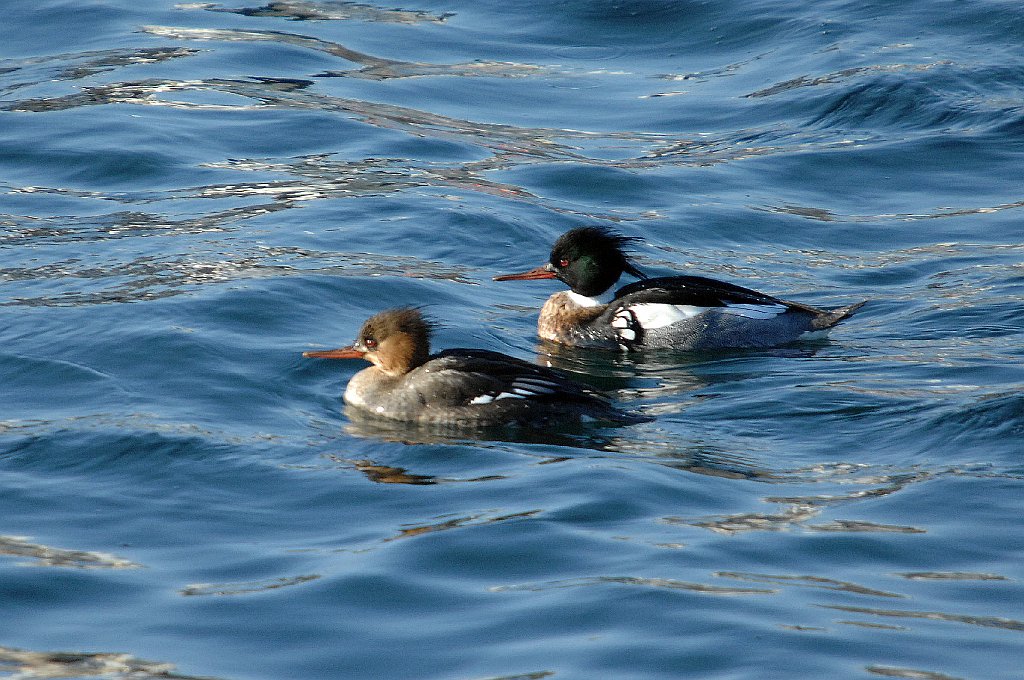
pixel 698 291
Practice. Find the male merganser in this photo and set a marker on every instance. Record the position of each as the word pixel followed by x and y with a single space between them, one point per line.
pixel 674 312
pixel 457 387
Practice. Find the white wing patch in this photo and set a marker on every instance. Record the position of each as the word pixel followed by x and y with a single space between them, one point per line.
pixel 523 387
pixel 754 311
pixel 658 315
pixel 533 386
pixel 651 315
pixel 488 398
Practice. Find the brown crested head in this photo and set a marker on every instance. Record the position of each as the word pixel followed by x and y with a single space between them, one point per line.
pixel 396 340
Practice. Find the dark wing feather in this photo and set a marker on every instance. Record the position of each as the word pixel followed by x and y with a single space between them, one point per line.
pixel 478 373
pixel 698 291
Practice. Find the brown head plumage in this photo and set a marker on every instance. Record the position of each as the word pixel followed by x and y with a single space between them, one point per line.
pixel 396 340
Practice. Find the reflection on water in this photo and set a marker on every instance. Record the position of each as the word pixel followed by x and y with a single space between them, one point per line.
pixel 320 177
pixel 840 76
pixel 325 11
pixel 744 522
pixel 387 474
pixel 585 436
pixel 911 673
pixel 246 587
pixel 538 675
pixel 824 215
pixel 446 524
pixel 802 509
pixel 950 576
pixel 857 525
pixel 37 70
pixel 509 145
pixel 151 276
pixel 644 441
pixel 983 621
pixel 871 626
pixel 374 68
pixel 665 583
pixel 808 582
pixel 28 665
pixel 47 556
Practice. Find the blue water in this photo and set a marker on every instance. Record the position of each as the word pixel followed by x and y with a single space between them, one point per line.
pixel 192 195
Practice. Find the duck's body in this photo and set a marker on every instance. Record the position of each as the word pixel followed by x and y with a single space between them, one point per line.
pixel 457 387
pixel 682 313
pixel 676 312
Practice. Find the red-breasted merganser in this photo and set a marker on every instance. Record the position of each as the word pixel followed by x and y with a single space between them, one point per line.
pixel 457 387
pixel 674 312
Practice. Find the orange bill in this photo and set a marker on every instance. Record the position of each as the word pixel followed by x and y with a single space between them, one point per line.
pixel 542 272
pixel 342 353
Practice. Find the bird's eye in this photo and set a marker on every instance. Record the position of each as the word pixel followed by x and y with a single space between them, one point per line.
pixel 370 342
pixel 563 263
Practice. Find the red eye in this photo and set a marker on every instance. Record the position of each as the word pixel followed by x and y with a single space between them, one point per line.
pixel 563 263
pixel 370 342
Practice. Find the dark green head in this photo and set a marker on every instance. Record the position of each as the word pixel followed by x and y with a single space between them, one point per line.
pixel 591 259
pixel 588 259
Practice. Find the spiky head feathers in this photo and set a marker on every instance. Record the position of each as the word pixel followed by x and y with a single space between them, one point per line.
pixel 591 259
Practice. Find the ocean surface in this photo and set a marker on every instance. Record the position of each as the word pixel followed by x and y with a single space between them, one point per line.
pixel 193 194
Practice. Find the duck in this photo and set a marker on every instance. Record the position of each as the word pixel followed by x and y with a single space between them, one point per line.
pixel 458 387
pixel 686 313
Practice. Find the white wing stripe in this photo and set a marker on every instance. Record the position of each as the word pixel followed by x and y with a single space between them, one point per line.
pixel 755 311
pixel 534 382
pixel 521 388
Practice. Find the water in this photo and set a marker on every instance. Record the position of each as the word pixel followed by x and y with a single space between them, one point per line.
pixel 192 195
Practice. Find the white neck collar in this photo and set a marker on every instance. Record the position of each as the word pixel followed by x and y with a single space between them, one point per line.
pixel 584 301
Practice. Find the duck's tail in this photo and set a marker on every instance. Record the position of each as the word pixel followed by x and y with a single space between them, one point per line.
pixel 829 318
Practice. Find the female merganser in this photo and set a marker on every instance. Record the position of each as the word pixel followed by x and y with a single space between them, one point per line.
pixel 674 312
pixel 457 387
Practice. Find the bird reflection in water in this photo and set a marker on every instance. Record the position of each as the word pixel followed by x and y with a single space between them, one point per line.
pixel 387 474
